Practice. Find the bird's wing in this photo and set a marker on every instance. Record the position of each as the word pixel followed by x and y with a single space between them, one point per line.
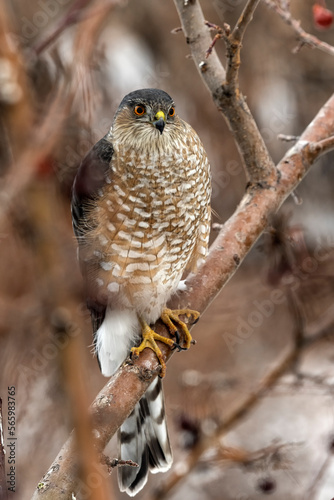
pixel 90 178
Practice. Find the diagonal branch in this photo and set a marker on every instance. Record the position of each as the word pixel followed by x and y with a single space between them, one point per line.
pixel 113 404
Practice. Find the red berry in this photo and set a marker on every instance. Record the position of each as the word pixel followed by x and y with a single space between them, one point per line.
pixel 322 17
pixel 45 167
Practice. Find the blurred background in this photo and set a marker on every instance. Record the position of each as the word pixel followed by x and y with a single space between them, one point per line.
pixel 64 67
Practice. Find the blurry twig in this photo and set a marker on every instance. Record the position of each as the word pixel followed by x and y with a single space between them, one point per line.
pixel 77 13
pixel 42 141
pixel 274 456
pixel 112 463
pixel 282 8
pixel 287 138
pixel 43 137
pixel 316 484
pixel 74 15
pixel 15 98
pixel 76 386
pixel 84 47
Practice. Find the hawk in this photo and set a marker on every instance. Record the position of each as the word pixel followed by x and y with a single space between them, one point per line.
pixel 141 214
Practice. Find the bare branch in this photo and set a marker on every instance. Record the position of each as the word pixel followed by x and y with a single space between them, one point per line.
pixel 42 141
pixel 234 44
pixel 73 16
pixel 78 12
pixel 322 147
pixel 282 9
pixel 75 382
pixel 229 100
pixel 244 20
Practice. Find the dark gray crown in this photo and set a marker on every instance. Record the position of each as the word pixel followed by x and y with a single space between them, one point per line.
pixel 147 96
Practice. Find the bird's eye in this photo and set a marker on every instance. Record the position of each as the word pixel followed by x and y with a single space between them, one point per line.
pixel 139 110
pixel 171 112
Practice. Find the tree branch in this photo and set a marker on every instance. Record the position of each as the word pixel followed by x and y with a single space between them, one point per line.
pixel 224 88
pixel 322 147
pixel 79 11
pixel 283 10
pixel 234 44
pixel 113 404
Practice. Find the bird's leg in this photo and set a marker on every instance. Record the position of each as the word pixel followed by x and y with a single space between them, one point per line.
pixel 149 340
pixel 169 317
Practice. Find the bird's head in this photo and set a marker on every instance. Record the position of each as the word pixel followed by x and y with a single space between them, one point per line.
pixel 144 116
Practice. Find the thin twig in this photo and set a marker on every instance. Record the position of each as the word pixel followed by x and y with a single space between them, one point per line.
pixel 244 20
pixel 78 12
pixel 75 382
pixel 316 484
pixel 234 44
pixel 42 141
pixel 324 146
pixel 73 16
pixel 287 138
pixel 305 38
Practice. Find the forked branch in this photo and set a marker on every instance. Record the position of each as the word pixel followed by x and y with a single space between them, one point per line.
pixel 224 88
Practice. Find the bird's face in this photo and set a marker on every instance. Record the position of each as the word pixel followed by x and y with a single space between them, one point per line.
pixel 145 117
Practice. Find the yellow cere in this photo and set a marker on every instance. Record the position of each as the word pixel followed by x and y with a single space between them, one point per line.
pixel 160 114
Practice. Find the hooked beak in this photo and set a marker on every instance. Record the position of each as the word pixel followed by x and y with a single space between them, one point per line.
pixel 160 121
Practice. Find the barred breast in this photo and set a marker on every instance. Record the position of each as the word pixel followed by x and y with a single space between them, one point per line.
pixel 151 223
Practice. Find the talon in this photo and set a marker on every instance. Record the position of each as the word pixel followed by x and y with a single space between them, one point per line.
pixel 133 355
pixel 195 320
pixel 178 347
pixel 150 337
pixel 149 340
pixel 170 317
pixel 177 337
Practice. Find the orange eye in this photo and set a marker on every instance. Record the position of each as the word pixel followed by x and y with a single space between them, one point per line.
pixel 139 110
pixel 171 112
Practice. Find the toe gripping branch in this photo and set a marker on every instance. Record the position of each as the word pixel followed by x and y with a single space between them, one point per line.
pixel 176 327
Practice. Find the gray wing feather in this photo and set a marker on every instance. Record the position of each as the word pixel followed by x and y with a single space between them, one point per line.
pixel 90 178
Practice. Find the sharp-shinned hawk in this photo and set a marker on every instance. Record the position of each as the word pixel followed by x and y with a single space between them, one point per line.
pixel 141 213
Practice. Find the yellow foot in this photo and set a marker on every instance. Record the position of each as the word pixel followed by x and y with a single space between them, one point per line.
pixel 149 340
pixel 170 317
